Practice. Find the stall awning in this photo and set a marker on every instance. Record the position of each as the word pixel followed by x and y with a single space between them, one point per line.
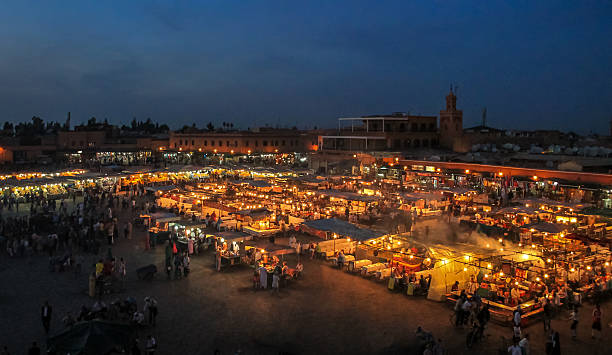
pixel 233 236
pixel 256 213
pixel 271 249
pixel 546 227
pixel 254 183
pixel 342 228
pixel 349 196
pixel 164 217
pixel 161 188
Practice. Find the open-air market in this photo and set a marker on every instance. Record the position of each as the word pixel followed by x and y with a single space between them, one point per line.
pixel 508 252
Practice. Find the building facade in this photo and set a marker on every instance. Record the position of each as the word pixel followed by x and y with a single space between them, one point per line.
pixel 243 142
pixel 451 122
pixel 397 132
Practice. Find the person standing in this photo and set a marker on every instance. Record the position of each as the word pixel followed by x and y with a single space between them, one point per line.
pixel 275 280
pixel 45 314
pixel 574 321
pixel 596 327
pixel 263 277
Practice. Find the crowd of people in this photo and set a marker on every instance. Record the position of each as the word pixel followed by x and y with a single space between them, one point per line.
pixel 471 311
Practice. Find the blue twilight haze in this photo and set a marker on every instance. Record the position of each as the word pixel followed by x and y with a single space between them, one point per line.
pixel 533 64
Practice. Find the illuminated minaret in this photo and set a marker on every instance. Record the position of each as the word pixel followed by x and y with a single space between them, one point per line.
pixel 451 121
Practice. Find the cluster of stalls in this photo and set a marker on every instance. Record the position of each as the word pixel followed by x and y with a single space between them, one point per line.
pixel 503 274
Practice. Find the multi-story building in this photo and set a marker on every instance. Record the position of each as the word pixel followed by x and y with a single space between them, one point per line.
pixel 242 142
pixel 396 132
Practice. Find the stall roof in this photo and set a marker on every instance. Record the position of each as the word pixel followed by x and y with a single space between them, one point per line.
pixel 187 223
pixel 548 202
pixel 415 196
pixel 254 213
pixel 546 227
pixel 270 248
pixel 517 209
pixel 164 216
pixel 254 183
pixel 311 179
pixel 458 190
pixel 161 188
pixel 232 236
pixel 343 228
pixel 348 195
pixel 604 212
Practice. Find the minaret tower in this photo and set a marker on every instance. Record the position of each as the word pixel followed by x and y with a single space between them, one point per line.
pixel 451 121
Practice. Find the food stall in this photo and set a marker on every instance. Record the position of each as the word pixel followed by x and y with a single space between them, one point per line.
pixel 157 225
pixel 258 221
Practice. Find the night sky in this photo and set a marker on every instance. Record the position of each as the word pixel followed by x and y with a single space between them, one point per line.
pixel 533 64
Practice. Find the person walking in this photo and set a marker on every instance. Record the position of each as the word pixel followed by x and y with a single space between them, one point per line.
pixel 151 309
pixel 135 348
pixel 515 349
pixel 596 326
pixel 547 315
pixel 151 345
pixel 574 321
pixel 516 322
pixel 45 314
pixel 555 343
pixel 34 349
pixel 122 272
pixel 524 344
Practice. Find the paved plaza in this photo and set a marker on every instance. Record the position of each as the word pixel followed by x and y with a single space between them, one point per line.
pixel 328 311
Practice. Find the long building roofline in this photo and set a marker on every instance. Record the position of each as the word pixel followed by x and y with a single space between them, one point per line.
pixel 575 176
pixel 380 118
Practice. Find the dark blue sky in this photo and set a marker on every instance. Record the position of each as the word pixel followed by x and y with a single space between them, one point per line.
pixel 533 64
